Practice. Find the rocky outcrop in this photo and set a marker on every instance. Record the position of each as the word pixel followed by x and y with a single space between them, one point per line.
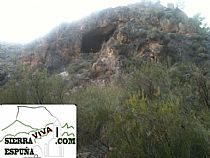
pixel 114 35
pixel 9 57
pixel 8 49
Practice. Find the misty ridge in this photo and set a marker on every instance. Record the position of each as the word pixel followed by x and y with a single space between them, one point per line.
pixel 138 73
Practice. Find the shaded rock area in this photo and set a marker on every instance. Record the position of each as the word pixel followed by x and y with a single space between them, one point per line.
pixel 92 41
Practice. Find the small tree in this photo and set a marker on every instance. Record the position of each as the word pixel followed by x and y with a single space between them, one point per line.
pixel 198 22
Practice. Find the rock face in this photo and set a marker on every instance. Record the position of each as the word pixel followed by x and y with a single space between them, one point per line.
pixel 113 35
pixel 7 49
pixel 9 56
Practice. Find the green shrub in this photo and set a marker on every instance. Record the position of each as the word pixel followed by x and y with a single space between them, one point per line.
pixel 95 108
pixel 36 88
pixel 152 110
pixel 157 129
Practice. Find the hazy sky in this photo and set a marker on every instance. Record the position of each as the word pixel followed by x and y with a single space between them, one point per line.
pixel 24 20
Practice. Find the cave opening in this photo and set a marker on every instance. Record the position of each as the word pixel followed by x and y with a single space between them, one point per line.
pixel 93 40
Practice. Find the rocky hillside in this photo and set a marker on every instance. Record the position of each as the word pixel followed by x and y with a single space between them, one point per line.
pixel 111 37
pixel 153 64
pixel 102 45
pixel 9 56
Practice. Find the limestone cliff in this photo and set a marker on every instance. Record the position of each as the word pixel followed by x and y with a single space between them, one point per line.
pixel 137 30
pixel 107 39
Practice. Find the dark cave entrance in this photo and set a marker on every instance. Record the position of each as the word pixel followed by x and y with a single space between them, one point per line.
pixel 93 40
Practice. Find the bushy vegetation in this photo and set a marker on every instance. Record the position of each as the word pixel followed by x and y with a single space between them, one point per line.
pixel 26 87
pixel 153 110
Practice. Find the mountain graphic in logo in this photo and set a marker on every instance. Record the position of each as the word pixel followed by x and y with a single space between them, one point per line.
pixel 37 116
pixel 16 128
